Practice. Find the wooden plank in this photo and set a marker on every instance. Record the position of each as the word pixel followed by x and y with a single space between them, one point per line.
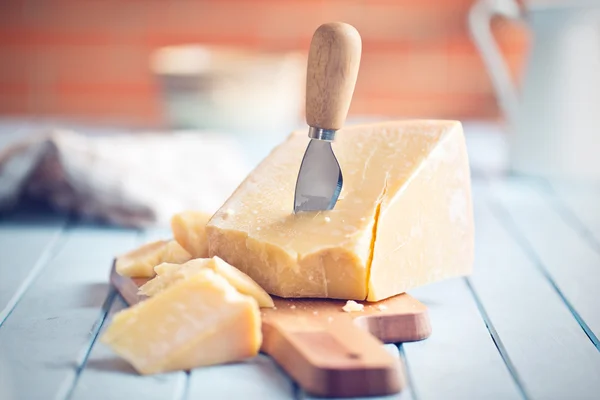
pixel 48 335
pixel 110 375
pixel 406 394
pixel 459 360
pixel 561 252
pixel 583 202
pixel 26 244
pixel 258 378
pixel 549 352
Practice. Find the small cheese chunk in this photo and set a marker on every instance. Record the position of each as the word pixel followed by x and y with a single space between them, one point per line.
pixel 403 219
pixel 140 263
pixel 189 229
pixel 195 322
pixel 174 253
pixel 352 306
pixel 168 274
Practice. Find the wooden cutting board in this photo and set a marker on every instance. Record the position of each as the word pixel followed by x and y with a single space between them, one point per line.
pixel 327 351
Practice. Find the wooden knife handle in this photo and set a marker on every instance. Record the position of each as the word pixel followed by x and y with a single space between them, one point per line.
pixel 333 62
pixel 337 360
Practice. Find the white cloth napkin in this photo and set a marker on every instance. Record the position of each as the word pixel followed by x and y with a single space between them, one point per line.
pixel 130 179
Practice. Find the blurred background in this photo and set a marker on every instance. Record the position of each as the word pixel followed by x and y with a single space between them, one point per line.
pixel 91 60
pixel 521 75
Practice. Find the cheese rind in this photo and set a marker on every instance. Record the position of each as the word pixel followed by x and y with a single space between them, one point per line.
pixel 168 274
pixel 404 208
pixel 198 321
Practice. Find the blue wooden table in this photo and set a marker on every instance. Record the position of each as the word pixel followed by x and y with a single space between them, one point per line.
pixel 525 325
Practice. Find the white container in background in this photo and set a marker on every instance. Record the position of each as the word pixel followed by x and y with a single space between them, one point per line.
pixel 554 119
pixel 258 97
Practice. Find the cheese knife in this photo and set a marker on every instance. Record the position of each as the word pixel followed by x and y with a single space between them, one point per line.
pixel 333 62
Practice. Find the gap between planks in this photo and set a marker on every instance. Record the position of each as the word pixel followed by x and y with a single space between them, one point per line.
pixel 510 225
pixel 497 341
pixel 571 218
pixel 115 378
pixel 563 211
pixel 547 189
pixel 407 373
pixel 47 254
pixel 69 384
pixel 490 326
pixel 186 386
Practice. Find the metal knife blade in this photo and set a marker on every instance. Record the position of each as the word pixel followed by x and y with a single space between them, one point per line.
pixel 320 178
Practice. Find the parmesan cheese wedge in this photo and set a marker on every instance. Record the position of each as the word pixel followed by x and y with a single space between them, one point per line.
pixel 403 219
pixel 194 322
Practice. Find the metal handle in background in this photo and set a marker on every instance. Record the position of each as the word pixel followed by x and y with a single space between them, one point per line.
pixel 480 17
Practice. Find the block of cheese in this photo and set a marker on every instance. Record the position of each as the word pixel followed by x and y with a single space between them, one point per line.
pixel 403 219
pixel 195 322
pixel 140 263
pixel 189 229
pixel 168 274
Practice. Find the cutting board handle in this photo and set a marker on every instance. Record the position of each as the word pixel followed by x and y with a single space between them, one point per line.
pixel 334 360
pixel 333 61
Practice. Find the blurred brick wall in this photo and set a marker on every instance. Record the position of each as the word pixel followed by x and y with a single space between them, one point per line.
pixel 89 58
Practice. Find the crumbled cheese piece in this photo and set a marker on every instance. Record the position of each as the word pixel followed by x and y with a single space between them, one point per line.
pixel 352 306
pixel 168 274
pixel 382 307
pixel 140 263
pixel 189 229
